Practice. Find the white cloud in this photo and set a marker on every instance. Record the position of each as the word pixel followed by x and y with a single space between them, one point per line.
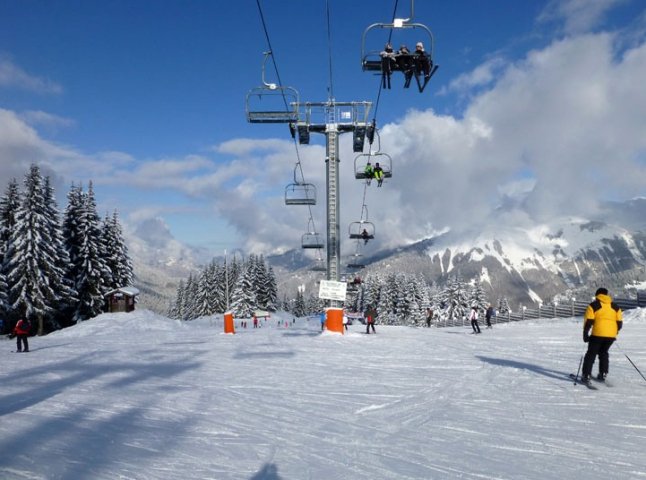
pixel 578 16
pixel 40 118
pixel 12 76
pixel 480 76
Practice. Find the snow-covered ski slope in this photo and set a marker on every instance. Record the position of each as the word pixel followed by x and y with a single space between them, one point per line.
pixel 138 396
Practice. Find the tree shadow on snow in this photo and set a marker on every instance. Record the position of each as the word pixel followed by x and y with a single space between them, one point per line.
pixel 269 471
pixel 503 362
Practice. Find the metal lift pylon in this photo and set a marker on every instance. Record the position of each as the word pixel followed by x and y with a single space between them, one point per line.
pixel 333 118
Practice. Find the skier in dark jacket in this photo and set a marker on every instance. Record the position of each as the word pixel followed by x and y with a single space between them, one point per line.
pixel 488 315
pixel 429 317
pixel 605 319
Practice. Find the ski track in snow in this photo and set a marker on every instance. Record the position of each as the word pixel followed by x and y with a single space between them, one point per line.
pixel 138 396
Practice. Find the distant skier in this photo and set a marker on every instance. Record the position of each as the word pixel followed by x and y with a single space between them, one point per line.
pixel 21 331
pixel 322 318
pixel 488 315
pixel 371 314
pixel 605 319
pixel 429 317
pixel 473 316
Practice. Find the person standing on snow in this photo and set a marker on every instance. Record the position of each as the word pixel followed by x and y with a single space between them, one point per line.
pixel 21 330
pixel 371 313
pixel 488 315
pixel 605 319
pixel 429 317
pixel 473 316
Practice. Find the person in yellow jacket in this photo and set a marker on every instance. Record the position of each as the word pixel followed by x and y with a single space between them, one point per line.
pixel 605 319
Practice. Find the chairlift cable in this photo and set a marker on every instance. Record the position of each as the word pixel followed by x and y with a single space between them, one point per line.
pixel 273 57
pixel 376 104
pixel 280 83
pixel 329 47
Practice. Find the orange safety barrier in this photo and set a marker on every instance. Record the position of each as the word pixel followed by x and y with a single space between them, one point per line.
pixel 334 320
pixel 228 323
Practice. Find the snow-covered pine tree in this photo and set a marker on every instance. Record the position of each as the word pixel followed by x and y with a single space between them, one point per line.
pixel 243 297
pixel 220 293
pixel 258 273
pixel 8 206
pixel 175 308
pixel 72 234
pixel 300 307
pixel 413 297
pixel 455 298
pixel 4 302
pixel 478 297
pixel 202 294
pixel 503 306
pixel 116 253
pixel 387 305
pixel 57 275
pixel 29 257
pixel 189 306
pixel 272 291
pixel 372 291
pixel 93 276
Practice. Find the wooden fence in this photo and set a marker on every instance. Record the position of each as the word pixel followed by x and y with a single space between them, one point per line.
pixel 572 309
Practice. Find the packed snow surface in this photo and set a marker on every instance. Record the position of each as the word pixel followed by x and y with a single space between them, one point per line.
pixel 139 396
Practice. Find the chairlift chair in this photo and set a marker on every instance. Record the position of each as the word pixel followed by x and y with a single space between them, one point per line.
pixel 271 103
pixel 372 61
pixel 300 194
pixel 356 265
pixel 312 240
pixel 383 159
pixel 356 230
pixel 319 266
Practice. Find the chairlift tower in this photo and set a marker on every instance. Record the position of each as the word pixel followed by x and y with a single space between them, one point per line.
pixel 332 119
pixel 273 103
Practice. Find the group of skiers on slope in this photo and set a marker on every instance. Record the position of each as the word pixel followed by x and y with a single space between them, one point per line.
pixel 473 317
pixel 603 319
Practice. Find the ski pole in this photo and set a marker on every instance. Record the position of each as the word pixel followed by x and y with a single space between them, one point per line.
pixel 578 370
pixel 631 362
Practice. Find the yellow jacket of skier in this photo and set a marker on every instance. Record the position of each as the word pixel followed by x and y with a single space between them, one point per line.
pixel 604 316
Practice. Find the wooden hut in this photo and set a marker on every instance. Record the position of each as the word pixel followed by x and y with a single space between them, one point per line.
pixel 121 299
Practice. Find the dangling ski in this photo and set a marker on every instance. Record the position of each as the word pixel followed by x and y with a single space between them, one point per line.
pixel 578 381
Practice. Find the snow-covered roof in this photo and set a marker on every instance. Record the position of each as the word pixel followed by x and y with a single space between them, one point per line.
pixel 130 291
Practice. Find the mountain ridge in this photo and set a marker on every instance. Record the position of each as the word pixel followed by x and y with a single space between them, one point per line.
pixel 566 257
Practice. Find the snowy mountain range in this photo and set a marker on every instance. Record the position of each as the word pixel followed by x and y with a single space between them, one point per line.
pixel 564 258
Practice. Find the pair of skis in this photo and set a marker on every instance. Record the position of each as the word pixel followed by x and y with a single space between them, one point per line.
pixel 578 381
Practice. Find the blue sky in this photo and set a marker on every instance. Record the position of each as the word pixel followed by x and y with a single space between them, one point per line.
pixel 146 99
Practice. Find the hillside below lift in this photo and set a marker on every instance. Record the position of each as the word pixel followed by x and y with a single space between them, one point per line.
pixel 271 103
pixel 411 64
pixel 332 119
